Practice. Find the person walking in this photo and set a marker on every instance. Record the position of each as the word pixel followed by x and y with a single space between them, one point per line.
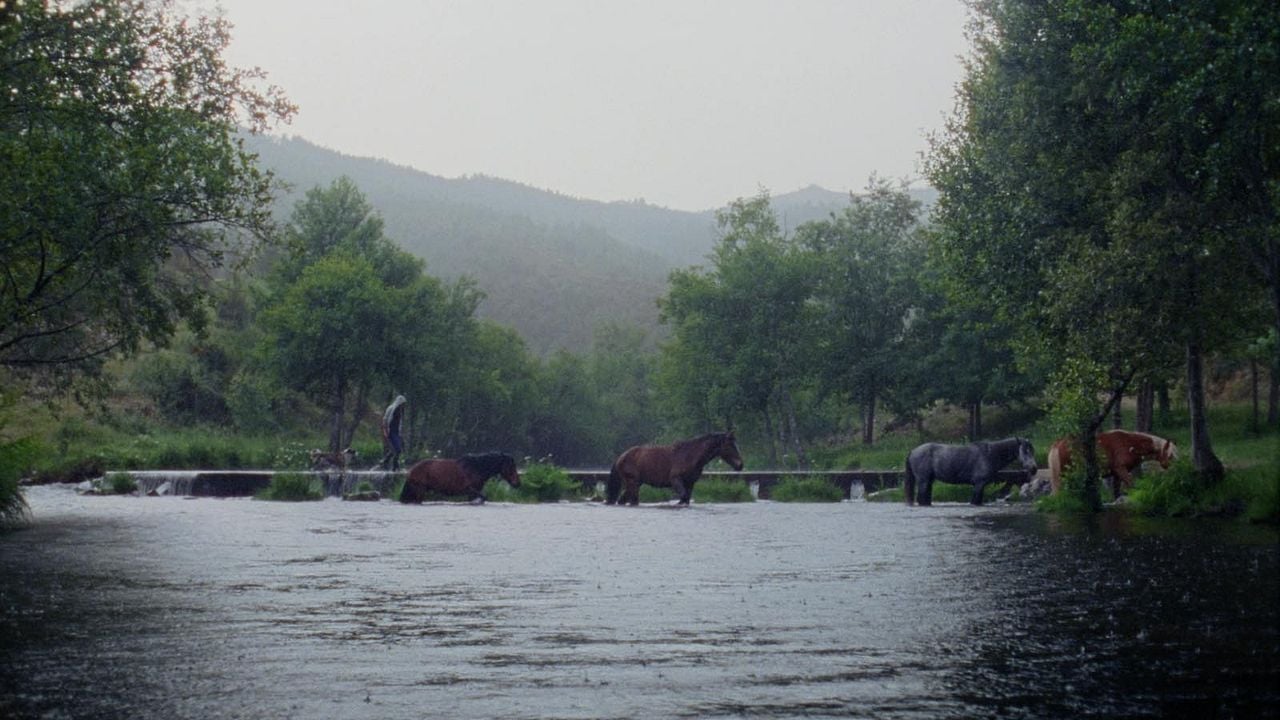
pixel 391 421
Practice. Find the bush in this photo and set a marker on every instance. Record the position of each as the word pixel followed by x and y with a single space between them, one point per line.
pixel 15 459
pixel 797 489
pixel 722 490
pixel 540 482
pixel 292 487
pixel 651 494
pixel 1175 492
pixel 122 483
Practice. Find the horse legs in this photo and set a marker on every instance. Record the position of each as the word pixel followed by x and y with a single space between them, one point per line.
pixel 679 490
pixel 978 487
pixel 630 492
pixel 924 496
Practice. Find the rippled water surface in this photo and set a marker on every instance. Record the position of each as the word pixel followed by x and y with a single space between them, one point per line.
pixel 178 608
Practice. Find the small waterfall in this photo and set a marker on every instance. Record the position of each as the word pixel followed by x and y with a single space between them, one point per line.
pixel 243 483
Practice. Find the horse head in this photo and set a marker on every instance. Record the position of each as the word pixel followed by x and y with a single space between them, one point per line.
pixel 1027 457
pixel 509 472
pixel 728 451
pixel 1168 453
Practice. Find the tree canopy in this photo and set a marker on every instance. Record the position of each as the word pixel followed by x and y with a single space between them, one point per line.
pixel 122 181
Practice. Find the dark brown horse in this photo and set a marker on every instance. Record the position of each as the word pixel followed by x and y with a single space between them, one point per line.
pixel 675 466
pixel 464 476
pixel 1121 452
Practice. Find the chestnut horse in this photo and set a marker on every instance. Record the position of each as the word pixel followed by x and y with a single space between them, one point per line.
pixel 676 466
pixel 1122 452
pixel 975 465
pixel 464 476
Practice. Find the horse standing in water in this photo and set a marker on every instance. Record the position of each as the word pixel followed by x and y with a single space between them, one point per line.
pixel 975 465
pixel 1122 451
pixel 464 476
pixel 675 466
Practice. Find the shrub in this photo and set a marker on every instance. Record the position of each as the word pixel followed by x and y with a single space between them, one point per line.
pixel 722 490
pixel 15 458
pixel 814 489
pixel 651 494
pixel 539 482
pixel 122 483
pixel 292 487
pixel 1173 493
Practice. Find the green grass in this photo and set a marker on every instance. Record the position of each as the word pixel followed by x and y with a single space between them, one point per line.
pixel 15 459
pixel 814 489
pixel 651 494
pixel 292 487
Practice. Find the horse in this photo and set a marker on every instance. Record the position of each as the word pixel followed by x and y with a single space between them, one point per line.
pixel 975 465
pixel 463 476
pixel 677 466
pixel 1122 451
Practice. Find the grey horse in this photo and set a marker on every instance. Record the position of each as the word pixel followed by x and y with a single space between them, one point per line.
pixel 975 465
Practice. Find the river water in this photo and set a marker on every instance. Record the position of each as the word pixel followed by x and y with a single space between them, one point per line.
pixel 178 608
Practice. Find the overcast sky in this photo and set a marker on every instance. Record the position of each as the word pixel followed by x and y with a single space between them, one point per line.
pixel 685 103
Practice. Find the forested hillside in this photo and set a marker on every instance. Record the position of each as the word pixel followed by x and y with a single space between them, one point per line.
pixel 551 266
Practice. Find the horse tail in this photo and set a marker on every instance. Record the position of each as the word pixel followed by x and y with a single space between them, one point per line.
pixel 613 486
pixel 909 484
pixel 1055 467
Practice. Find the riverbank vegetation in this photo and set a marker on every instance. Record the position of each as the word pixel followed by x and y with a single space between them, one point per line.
pixel 1055 288
pixel 292 487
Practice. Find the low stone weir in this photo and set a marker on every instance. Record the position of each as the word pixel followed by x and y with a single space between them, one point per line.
pixel 242 483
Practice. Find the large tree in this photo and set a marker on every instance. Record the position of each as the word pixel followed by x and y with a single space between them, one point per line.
pixel 867 262
pixel 740 327
pixel 121 175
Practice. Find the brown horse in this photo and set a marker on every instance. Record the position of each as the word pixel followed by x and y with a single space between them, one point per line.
pixel 1121 450
pixel 464 476
pixel 675 466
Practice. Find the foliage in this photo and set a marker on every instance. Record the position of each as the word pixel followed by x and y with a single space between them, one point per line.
pixel 813 489
pixel 1173 493
pixel 16 458
pixel 544 482
pixel 867 262
pixel 120 177
pixel 721 490
pixel 650 494
pixel 121 483
pixel 292 487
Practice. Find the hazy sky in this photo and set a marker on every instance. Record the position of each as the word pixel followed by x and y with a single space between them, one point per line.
pixel 687 103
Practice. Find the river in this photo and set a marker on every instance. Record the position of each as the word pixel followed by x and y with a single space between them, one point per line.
pixel 167 607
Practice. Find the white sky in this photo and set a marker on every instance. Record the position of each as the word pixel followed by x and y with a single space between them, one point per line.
pixel 685 103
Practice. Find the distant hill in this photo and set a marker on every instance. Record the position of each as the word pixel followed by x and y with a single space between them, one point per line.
pixel 552 266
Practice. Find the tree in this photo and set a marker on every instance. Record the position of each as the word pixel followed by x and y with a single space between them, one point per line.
pixel 326 333
pixel 122 181
pixel 739 328
pixel 1086 184
pixel 867 262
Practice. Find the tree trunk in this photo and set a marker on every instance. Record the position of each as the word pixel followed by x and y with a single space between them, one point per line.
pixel 1145 413
pixel 869 421
pixel 773 443
pixel 337 408
pixel 1117 414
pixel 1203 458
pixel 1162 401
pixel 357 414
pixel 1273 396
pixel 1254 427
pixel 975 421
pixel 789 407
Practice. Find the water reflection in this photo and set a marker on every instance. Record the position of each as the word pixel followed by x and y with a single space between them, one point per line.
pixel 168 608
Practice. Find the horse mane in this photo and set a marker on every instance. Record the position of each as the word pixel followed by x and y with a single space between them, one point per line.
pixel 489 463
pixel 699 440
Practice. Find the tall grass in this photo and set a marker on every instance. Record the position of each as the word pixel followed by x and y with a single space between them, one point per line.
pixel 813 489
pixel 292 487
pixel 539 483
pixel 15 459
